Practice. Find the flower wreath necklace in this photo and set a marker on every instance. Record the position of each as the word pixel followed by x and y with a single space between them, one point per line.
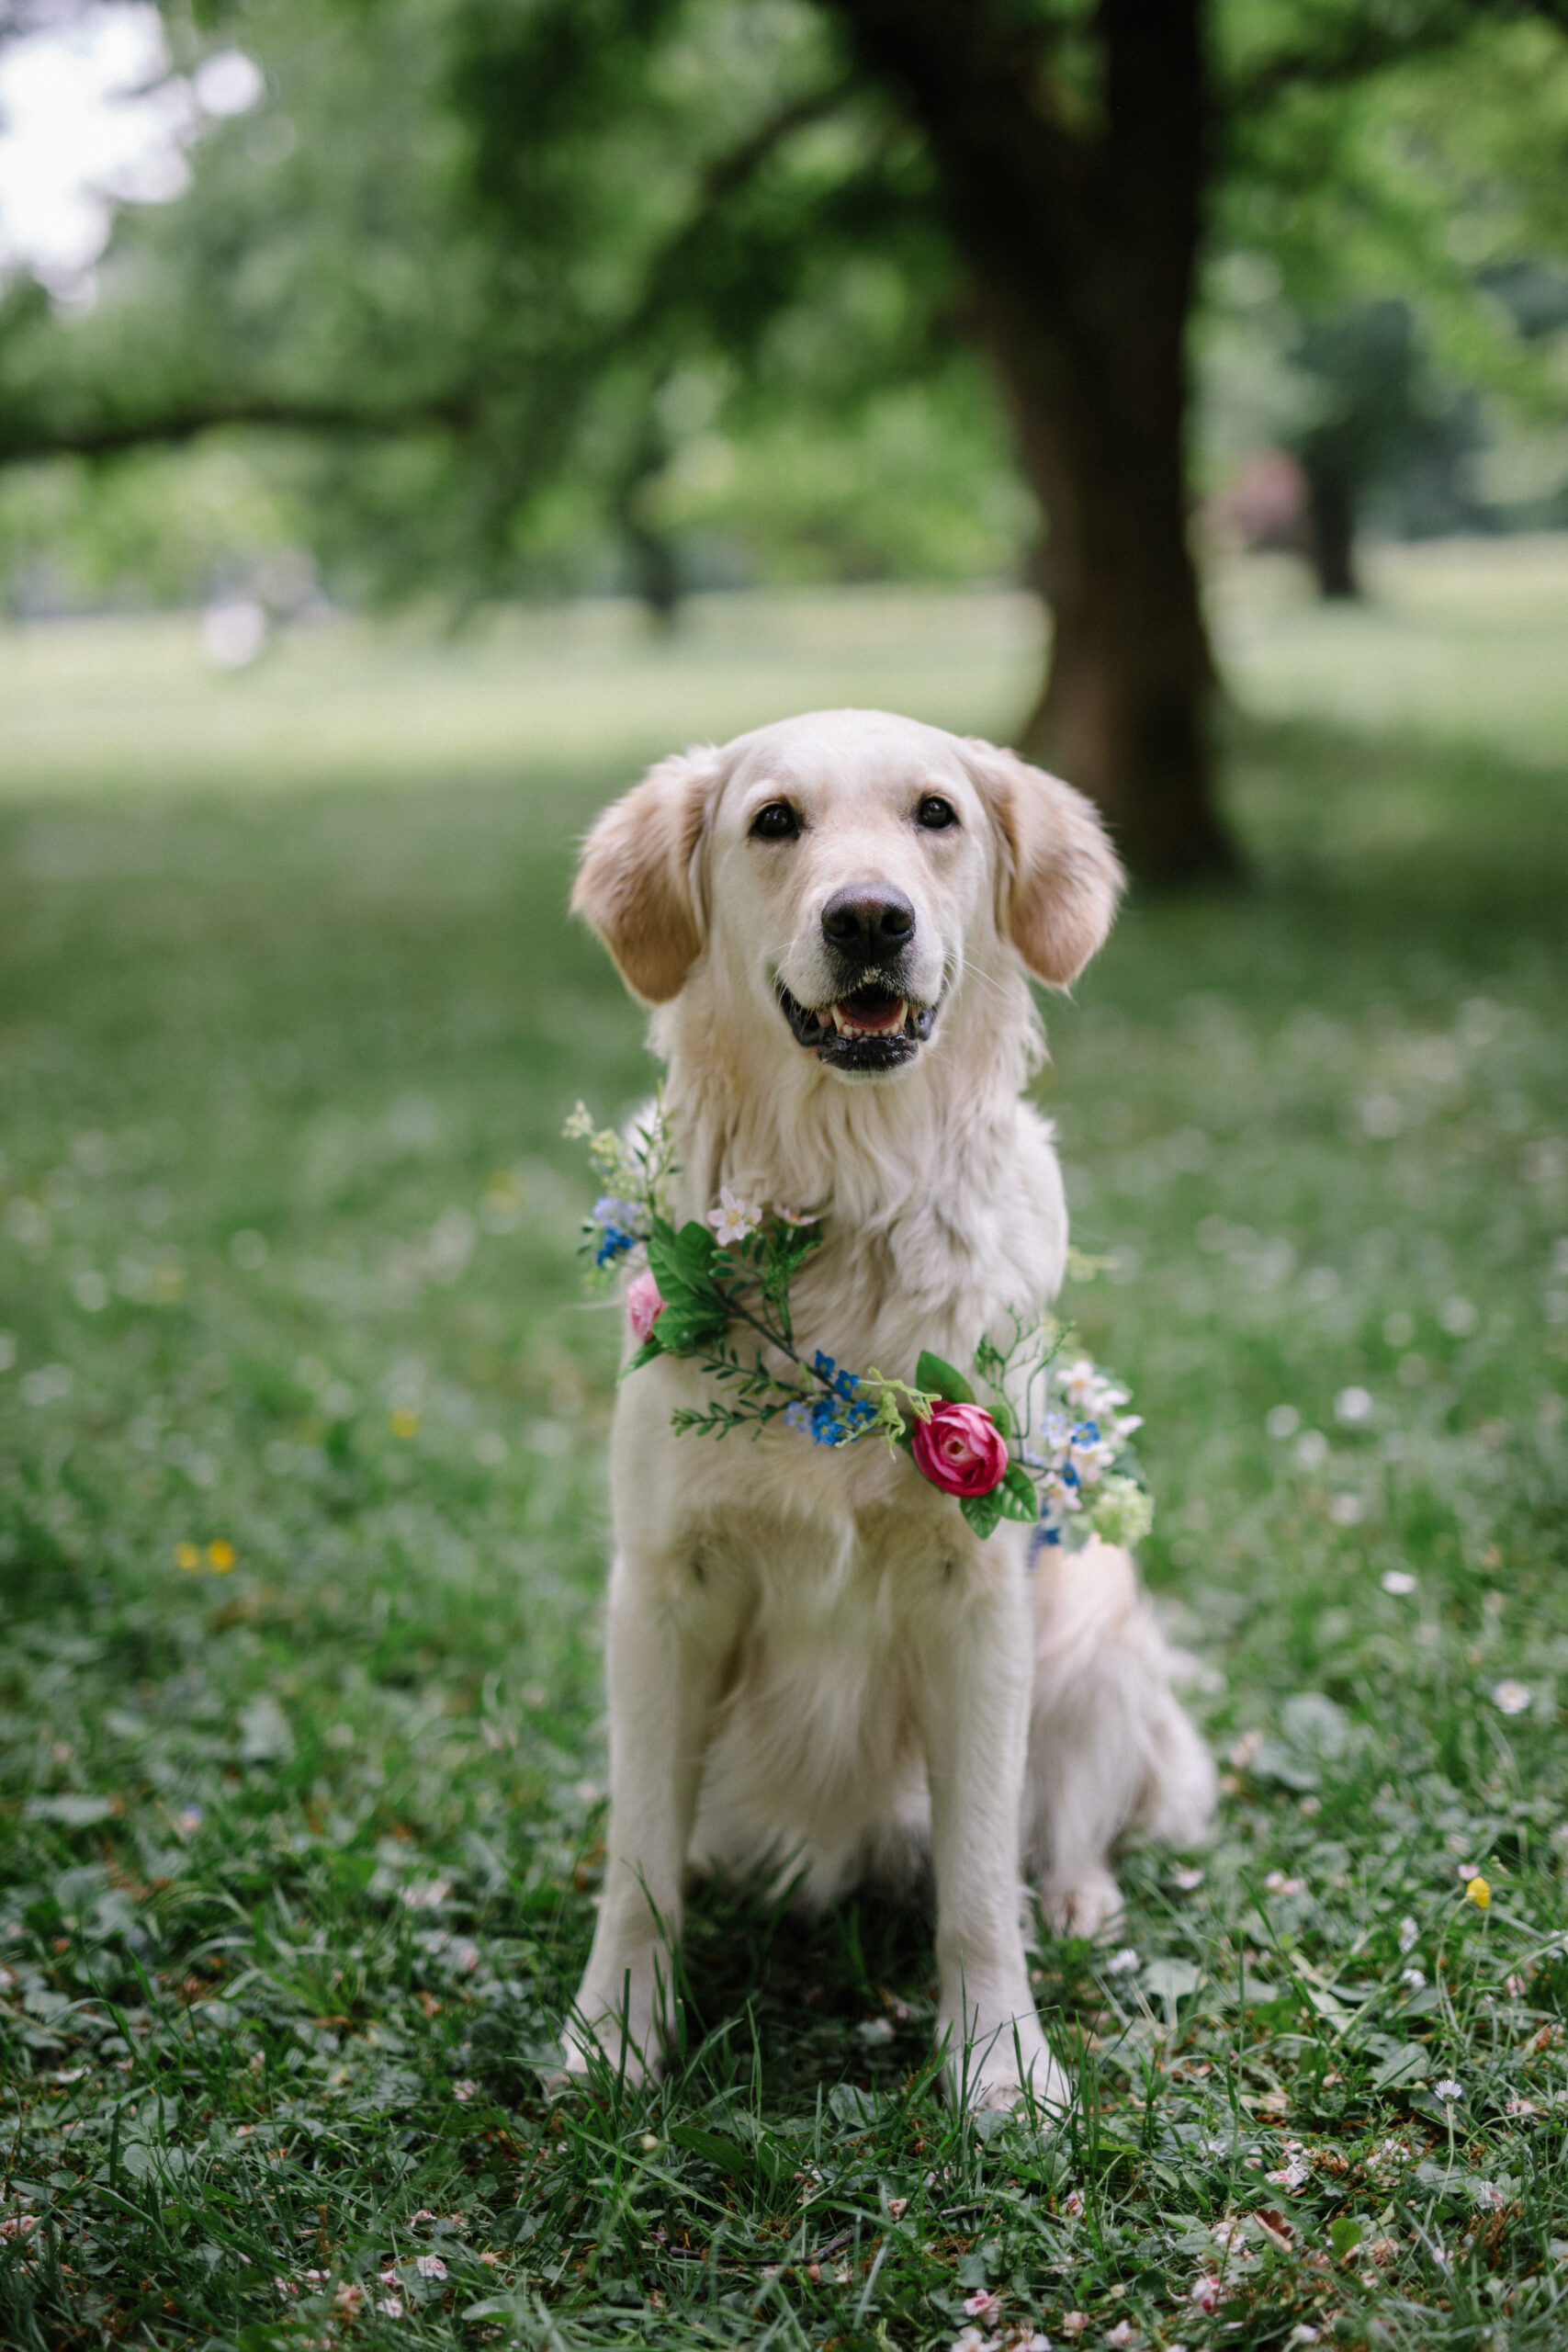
pixel 1039 1433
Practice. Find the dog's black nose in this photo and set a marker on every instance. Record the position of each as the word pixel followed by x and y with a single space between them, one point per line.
pixel 868 921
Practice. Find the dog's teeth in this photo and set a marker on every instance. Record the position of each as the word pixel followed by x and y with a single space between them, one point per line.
pixel 840 1023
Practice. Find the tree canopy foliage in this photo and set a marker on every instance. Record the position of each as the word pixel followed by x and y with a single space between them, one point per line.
pixel 523 278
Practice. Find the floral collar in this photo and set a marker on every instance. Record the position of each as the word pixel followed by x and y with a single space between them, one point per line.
pixel 1038 1434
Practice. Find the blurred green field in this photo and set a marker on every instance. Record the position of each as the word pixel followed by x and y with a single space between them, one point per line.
pixel 1461 640
pixel 301 1516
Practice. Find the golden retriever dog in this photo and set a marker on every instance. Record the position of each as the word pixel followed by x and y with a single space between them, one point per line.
pixel 815 1665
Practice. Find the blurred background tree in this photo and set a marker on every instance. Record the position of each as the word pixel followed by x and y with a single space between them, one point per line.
pixel 534 296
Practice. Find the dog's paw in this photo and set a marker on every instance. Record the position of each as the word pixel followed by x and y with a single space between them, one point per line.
pixel 619 2035
pixel 1009 2066
pixel 1000 2089
pixel 1081 1904
pixel 601 2049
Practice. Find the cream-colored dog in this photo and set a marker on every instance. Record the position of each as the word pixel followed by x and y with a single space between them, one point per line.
pixel 814 1664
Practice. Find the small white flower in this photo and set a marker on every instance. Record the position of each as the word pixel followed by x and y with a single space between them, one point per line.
pixel 1511 1698
pixel 1288 2176
pixel 464 2089
pixel 1206 2292
pixel 1188 1880
pixel 427 1896
pixel 1408 1934
pixel 734 1218
pixel 430 2266
pixel 1398 1582
pixel 1123 1963
pixel 1072 2204
pixel 969 2339
pixel 391 2307
pixel 897 2208
pixel 1080 1383
pixel 1121 2334
pixel 795 1216
pixel 1448 2090
pixel 1354 1407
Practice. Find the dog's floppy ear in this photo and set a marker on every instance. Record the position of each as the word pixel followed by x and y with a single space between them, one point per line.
pixel 1062 877
pixel 637 882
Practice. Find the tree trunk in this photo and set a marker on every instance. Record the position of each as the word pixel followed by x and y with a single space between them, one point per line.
pixel 1082 248
pixel 1124 709
pixel 1331 521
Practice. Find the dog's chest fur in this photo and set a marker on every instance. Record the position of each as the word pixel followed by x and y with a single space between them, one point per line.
pixel 840 1564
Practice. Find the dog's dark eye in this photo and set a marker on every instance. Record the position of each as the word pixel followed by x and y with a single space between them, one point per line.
pixel 776 822
pixel 935 813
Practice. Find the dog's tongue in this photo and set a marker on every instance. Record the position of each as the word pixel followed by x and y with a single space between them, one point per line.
pixel 873 1011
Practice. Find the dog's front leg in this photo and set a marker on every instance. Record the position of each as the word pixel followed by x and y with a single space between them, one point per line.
pixel 977 1676
pixel 671 1625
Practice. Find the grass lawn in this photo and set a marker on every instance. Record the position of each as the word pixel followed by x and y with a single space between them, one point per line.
pixel 303 1511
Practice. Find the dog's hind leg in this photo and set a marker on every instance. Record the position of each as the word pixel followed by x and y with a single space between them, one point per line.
pixel 1110 1747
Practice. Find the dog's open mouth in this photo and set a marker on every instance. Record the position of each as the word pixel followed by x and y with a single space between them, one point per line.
pixel 873 1028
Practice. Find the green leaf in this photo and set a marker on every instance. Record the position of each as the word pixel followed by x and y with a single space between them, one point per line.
pixel 1019 1498
pixel 1344 2235
pixel 715 2148
pixel 1001 1412
pixel 696 1245
pixel 1405 2065
pixel 689 1334
pixel 984 1511
pixel 938 1378
pixel 652 1346
pixel 683 1263
pixel 75 1813
pixel 1171 1980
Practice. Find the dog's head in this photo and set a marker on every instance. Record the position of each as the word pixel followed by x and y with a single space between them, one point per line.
pixel 846 870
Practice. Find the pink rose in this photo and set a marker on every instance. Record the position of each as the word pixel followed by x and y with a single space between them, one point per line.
pixel 961 1450
pixel 643 1305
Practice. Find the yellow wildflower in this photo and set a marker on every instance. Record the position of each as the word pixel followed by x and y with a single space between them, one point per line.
pixel 220 1558
pixel 404 1423
pixel 187 1556
pixel 1479 1893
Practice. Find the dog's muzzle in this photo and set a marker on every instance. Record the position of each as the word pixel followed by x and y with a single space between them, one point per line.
pixel 872 1028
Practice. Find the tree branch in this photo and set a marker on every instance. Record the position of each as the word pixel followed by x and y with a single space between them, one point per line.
pixel 724 178
pixel 30 440
pixel 27 438
pixel 1363 47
